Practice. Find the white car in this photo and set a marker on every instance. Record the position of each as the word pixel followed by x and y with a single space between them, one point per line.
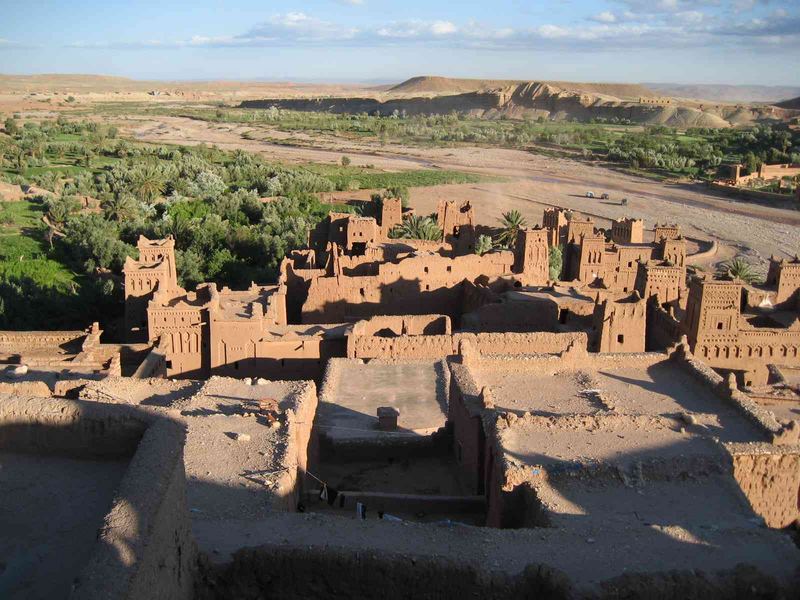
pixel 590 194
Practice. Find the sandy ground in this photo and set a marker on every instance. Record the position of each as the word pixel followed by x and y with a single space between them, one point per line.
pixel 47 538
pixel 534 182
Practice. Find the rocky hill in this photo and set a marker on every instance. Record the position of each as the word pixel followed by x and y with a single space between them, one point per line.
pixel 793 104
pixel 430 84
pixel 534 99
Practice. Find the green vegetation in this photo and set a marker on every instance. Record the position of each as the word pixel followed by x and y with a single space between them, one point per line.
pixel 417 227
pixel 61 261
pixel 556 262
pixel 510 224
pixel 650 150
pixel 484 244
pixel 360 178
pixel 736 267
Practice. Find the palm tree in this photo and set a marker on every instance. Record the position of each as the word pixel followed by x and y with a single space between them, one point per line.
pixel 510 224
pixel 738 268
pixel 58 211
pixel 415 227
pixel 148 182
pixel 121 207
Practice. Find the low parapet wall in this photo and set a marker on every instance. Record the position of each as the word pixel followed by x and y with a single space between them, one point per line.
pixel 663 330
pixel 145 548
pixel 39 339
pixel 298 449
pixel 768 473
pixel 154 364
pixel 441 346
pixel 770 478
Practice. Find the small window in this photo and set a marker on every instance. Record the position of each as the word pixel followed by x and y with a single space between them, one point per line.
pixel 426 269
pixel 361 291
pixel 620 339
pixel 449 269
pixel 719 325
pixel 169 364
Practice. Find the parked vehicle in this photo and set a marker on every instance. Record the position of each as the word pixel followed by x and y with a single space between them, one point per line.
pixel 590 194
pixel 605 196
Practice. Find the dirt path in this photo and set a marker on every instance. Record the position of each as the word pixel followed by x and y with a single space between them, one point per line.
pixel 536 181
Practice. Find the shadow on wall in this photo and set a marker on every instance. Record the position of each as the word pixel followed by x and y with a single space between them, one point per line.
pixel 110 483
pixel 402 297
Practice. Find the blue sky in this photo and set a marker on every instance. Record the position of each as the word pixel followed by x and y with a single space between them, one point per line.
pixel 684 41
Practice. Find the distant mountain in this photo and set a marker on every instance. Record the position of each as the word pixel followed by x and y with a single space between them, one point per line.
pixel 793 104
pixel 437 85
pixel 726 93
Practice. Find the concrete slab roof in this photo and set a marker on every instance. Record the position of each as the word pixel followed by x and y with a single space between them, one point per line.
pixel 353 392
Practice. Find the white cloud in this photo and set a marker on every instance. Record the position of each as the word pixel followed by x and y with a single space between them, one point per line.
pixel 605 17
pixel 6 44
pixel 680 27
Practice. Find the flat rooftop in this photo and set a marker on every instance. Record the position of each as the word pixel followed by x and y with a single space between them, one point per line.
pixel 656 389
pixel 625 458
pixel 354 390
pixel 234 460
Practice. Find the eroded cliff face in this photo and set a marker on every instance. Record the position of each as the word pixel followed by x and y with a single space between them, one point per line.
pixel 534 99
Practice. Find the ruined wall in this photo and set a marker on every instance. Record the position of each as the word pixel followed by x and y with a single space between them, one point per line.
pixel 274 357
pixel 663 330
pixel 155 363
pixel 423 284
pixel 780 171
pixel 465 408
pixel 299 423
pixel 452 216
pixel 475 296
pixel 770 478
pixel 534 314
pixel 441 346
pixel 392 326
